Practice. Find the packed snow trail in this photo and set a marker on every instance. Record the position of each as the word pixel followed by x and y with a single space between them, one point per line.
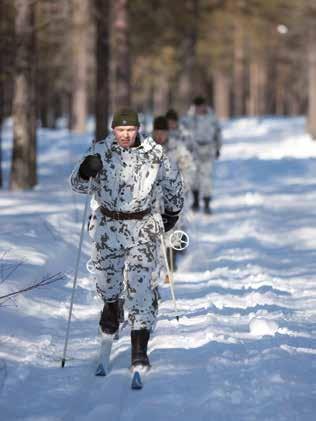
pixel 244 348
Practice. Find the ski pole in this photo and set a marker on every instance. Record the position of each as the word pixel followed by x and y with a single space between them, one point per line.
pixel 170 277
pixel 171 260
pixel 63 361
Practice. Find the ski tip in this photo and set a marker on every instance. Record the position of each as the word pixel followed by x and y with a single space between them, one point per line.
pixel 100 371
pixel 137 383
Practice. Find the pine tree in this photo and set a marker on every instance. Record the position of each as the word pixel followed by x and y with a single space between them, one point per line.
pixel 102 14
pixel 23 170
pixel 121 55
pixel 6 65
pixel 79 98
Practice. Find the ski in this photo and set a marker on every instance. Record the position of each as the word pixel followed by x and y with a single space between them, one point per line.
pixel 137 382
pixel 104 356
pixel 138 373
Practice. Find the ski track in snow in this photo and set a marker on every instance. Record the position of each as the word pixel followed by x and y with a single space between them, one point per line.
pixel 244 348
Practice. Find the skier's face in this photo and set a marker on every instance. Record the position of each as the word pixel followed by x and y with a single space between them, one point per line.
pixel 172 124
pixel 160 136
pixel 125 135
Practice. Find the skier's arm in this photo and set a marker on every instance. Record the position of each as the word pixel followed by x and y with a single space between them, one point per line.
pixel 172 187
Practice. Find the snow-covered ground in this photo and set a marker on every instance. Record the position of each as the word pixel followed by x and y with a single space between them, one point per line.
pixel 245 347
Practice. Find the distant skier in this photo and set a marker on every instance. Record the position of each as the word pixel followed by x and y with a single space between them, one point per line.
pixel 180 158
pixel 128 170
pixel 205 143
pixel 176 130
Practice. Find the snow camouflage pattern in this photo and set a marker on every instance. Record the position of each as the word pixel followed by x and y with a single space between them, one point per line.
pixel 179 157
pixel 135 266
pixel 204 141
pixel 178 153
pixel 129 182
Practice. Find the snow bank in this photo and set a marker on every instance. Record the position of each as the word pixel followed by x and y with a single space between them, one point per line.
pixel 259 326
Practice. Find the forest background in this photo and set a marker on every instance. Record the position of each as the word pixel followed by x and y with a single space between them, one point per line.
pixel 73 59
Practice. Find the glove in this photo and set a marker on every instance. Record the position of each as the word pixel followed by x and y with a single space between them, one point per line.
pixel 90 167
pixel 169 221
pixel 218 154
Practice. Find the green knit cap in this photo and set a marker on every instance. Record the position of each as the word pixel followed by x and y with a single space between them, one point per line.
pixel 125 117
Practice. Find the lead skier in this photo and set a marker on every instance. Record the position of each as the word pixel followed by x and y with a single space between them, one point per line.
pixel 128 170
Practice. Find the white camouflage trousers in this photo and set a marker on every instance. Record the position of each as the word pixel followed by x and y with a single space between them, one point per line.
pixel 203 178
pixel 133 267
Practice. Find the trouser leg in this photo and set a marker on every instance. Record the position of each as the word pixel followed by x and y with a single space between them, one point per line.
pixel 109 279
pixel 108 275
pixel 141 300
pixel 205 178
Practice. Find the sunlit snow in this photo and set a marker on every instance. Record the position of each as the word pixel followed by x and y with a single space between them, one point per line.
pixel 244 349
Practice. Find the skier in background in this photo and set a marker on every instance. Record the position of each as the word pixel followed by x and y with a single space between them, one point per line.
pixel 176 130
pixel 180 158
pixel 127 172
pixel 205 143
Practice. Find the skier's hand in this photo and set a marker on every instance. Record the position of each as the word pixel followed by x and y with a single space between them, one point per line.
pixel 90 167
pixel 218 154
pixel 169 221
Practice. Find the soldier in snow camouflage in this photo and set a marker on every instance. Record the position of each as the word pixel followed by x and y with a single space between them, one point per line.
pixel 128 172
pixel 205 143
pixel 182 159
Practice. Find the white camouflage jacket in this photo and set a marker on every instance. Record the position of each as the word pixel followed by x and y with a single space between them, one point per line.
pixel 178 153
pixel 130 181
pixel 205 134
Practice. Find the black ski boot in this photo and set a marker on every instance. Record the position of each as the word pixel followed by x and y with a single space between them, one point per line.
pixel 139 340
pixel 196 204
pixel 207 208
pixel 110 317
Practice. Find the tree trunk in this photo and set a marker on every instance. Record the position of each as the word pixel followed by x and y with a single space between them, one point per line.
pixel 312 87
pixel 258 85
pixel 280 86
pixel 7 54
pixel 102 94
pixel 221 94
pixel 188 87
pixel 80 26
pixel 23 170
pixel 122 73
pixel 239 68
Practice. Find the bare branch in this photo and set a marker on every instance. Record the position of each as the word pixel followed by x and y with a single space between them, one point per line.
pixel 44 282
pixel 9 273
